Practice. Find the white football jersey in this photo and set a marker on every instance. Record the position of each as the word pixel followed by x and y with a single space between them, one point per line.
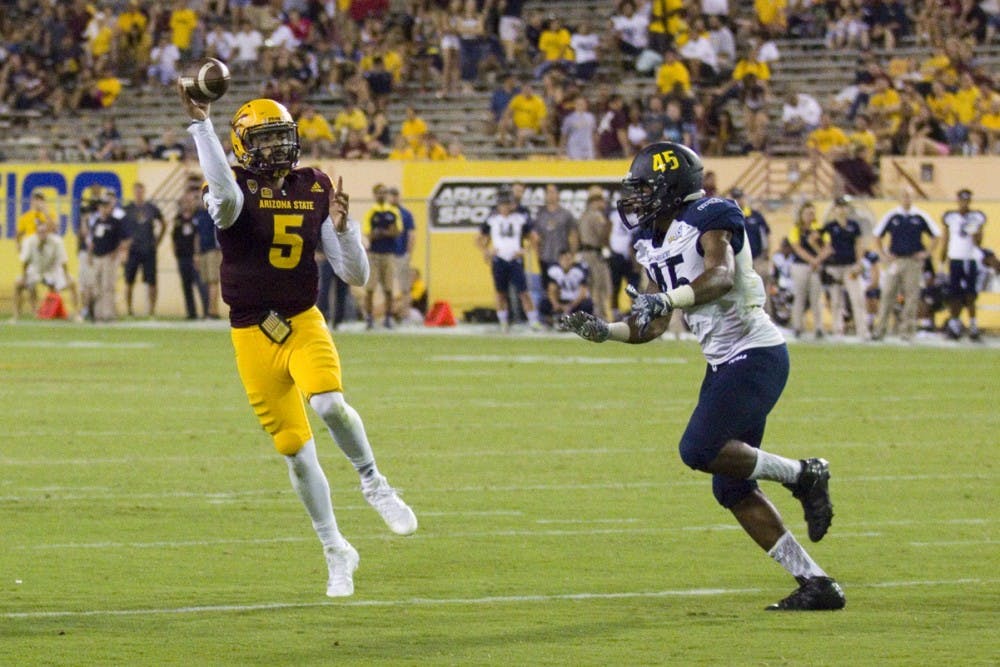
pixel 735 321
pixel 962 227
pixel 506 232
pixel 569 281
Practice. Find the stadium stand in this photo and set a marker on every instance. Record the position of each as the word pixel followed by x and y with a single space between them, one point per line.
pixel 806 65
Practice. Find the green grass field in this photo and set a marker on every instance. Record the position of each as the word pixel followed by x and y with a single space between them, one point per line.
pixel 147 520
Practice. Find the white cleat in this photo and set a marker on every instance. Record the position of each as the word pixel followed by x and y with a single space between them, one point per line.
pixel 342 563
pixel 396 514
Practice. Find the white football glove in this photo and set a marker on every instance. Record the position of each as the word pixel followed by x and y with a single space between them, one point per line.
pixel 648 307
pixel 585 326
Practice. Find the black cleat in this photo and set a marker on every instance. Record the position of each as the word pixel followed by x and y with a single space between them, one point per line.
pixel 812 488
pixel 815 594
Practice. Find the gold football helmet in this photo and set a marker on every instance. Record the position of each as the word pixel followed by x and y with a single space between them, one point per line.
pixel 265 138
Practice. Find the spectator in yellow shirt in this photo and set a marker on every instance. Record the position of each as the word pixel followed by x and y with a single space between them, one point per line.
pixel 554 45
pixel 664 17
pixel 525 117
pixel 414 128
pixel 941 103
pixel 989 124
pixel 671 73
pixel 966 99
pixel 864 137
pixel 37 214
pixel 827 140
pixel 132 20
pixel 435 149
pixel 351 117
pixel 750 65
pixel 885 104
pixel 771 15
pixel 132 39
pixel 937 66
pixel 183 23
pixel 401 149
pixel 110 87
pixel 315 133
pixel 101 35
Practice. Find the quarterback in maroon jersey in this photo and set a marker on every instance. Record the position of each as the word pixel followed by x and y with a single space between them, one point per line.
pixel 270 218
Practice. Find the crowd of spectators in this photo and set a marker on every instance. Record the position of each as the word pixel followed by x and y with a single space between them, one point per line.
pixel 708 71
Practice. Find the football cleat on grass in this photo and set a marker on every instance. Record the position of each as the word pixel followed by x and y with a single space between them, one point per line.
pixel 813 594
pixel 342 563
pixel 396 514
pixel 813 490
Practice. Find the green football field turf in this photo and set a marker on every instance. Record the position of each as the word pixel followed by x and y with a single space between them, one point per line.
pixel 146 519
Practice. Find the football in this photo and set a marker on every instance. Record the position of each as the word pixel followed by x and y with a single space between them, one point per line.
pixel 207 80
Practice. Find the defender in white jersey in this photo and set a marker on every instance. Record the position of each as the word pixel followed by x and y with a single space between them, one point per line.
pixel 963 234
pixel 696 253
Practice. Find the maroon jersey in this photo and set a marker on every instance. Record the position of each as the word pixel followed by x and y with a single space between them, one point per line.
pixel 268 254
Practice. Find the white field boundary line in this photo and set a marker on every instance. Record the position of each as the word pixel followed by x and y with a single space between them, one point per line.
pixel 485 488
pixel 478 601
pixel 865 529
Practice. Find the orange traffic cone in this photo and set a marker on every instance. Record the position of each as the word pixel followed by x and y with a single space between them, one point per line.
pixel 440 315
pixel 52 308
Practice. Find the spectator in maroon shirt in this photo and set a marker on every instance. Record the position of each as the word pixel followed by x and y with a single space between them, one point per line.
pixel 612 139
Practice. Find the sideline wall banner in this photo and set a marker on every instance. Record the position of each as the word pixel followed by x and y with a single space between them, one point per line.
pixel 451 200
pixel 63 186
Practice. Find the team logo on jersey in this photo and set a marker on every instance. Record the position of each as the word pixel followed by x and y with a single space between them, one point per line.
pixel 252 186
pixel 316 188
pixel 266 193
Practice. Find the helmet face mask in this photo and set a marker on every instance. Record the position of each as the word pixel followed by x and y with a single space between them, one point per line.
pixel 265 138
pixel 662 177
pixel 272 149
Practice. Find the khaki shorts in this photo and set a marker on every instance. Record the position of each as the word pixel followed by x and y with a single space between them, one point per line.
pixel 277 377
pixel 56 278
pixel 383 271
pixel 208 264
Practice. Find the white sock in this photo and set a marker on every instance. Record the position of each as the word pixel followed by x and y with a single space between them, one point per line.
pixel 533 316
pixel 346 427
pixel 313 490
pixel 791 556
pixel 776 468
pixel 502 316
pixel 972 324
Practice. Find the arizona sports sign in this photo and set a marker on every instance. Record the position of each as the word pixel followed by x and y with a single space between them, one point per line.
pixel 463 204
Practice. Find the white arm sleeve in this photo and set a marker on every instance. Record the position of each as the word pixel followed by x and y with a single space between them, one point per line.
pixel 224 198
pixel 345 252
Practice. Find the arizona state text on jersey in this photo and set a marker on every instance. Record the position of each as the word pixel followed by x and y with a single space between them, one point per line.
pixel 268 258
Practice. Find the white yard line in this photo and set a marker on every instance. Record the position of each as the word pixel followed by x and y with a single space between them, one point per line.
pixel 842 530
pixel 43 495
pixel 473 601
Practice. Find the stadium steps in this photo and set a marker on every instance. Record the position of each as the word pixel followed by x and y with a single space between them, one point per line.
pixel 805 66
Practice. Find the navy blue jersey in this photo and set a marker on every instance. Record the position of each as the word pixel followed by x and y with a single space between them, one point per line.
pixel 205 227
pixel 842 239
pixel 106 234
pixel 141 229
pixel 906 229
pixel 757 231
pixel 403 240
